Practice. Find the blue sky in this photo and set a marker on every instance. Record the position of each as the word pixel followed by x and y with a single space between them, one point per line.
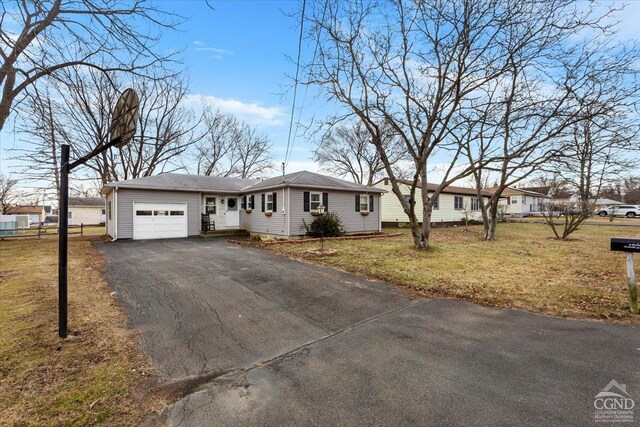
pixel 237 55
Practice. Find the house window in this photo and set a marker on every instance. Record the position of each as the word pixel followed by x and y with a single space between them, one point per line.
pixel 475 204
pixel 210 206
pixel 109 207
pixel 514 200
pixel 69 214
pixel 407 198
pixel 458 203
pixel 315 200
pixel 103 211
pixel 269 199
pixel 177 213
pixel 364 203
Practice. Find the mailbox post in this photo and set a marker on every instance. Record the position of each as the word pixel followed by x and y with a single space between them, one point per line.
pixel 629 247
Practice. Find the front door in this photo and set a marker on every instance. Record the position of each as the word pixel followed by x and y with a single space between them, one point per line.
pixel 232 214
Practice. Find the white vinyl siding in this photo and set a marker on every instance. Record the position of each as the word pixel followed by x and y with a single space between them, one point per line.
pixel 392 208
pixel 87 215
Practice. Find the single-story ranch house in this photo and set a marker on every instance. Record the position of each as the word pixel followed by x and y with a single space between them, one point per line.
pixel 448 209
pixel 522 202
pixel 86 210
pixel 176 205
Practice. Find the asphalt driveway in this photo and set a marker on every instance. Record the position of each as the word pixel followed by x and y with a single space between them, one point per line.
pixel 252 338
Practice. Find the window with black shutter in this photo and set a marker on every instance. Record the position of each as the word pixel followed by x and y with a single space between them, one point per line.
pixel 305 205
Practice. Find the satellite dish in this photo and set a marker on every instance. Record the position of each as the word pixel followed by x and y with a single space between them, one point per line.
pixel 123 120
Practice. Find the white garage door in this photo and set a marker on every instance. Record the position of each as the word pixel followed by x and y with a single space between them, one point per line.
pixel 159 220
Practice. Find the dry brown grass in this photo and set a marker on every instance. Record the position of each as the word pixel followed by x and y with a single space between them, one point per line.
pixel 98 376
pixel 523 269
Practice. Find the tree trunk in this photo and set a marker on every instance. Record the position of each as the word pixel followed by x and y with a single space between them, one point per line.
pixel 492 219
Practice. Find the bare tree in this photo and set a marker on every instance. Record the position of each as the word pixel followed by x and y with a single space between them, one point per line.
pixel 525 120
pixel 600 149
pixel 232 148
pixel 40 38
pixel 78 112
pixel 346 150
pixel 420 66
pixel 565 218
pixel 9 194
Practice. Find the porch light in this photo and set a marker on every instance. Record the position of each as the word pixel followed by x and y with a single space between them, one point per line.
pixel 321 208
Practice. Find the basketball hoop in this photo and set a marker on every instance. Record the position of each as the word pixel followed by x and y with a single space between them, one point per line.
pixel 123 120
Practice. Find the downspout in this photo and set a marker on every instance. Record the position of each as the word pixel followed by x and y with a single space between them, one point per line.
pixel 115 217
pixel 285 218
pixel 379 212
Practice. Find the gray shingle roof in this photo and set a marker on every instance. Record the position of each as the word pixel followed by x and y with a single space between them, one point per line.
pixel 86 201
pixel 199 183
pixel 306 179
pixel 183 182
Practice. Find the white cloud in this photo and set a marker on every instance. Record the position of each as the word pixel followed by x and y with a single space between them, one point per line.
pixel 215 50
pixel 252 112
pixel 220 52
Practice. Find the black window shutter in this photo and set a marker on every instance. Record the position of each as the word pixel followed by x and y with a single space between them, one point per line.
pixel 325 201
pixel 357 203
pixel 275 202
pixel 306 201
pixel 243 203
pixel 253 201
pixel 262 202
pixel 370 202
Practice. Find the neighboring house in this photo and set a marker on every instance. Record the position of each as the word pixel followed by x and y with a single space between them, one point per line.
pixel 598 203
pixel 176 205
pixel 87 210
pixel 448 209
pixel 35 213
pixel 522 202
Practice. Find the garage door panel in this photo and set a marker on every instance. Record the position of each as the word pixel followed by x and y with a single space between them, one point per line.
pixel 159 220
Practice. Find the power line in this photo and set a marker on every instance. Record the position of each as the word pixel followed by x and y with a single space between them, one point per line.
pixel 295 83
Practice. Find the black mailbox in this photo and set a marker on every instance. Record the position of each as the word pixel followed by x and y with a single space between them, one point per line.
pixel 625 245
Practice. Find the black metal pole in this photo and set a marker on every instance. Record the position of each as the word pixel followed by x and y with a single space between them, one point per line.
pixel 63 224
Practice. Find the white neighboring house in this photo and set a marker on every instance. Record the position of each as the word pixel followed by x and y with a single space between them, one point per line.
pixel 86 210
pixel 599 204
pixel 521 202
pixel 449 209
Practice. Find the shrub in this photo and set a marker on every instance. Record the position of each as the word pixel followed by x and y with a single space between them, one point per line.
pixel 327 225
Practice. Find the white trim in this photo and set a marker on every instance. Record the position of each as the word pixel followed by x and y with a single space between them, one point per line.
pixel 366 197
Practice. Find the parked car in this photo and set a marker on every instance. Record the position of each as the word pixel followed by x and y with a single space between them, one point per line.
pixel 629 211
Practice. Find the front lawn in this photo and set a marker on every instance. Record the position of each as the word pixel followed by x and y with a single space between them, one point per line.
pixel 523 269
pixel 98 375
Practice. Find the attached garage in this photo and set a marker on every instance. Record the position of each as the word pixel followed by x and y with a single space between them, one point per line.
pixel 159 220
